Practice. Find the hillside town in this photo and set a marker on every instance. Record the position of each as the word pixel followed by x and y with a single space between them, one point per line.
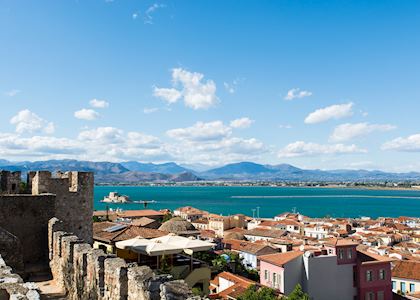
pixel 328 258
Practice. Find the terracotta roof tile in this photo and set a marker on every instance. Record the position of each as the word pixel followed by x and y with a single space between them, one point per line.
pixel 407 269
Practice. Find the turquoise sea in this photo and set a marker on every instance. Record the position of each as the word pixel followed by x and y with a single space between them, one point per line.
pixel 313 202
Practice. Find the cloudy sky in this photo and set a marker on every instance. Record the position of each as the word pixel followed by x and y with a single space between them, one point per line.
pixel 318 84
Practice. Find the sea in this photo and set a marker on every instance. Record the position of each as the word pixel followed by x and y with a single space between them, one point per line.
pixel 267 202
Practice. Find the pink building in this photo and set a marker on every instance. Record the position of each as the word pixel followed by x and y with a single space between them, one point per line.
pixel 337 271
pixel 281 271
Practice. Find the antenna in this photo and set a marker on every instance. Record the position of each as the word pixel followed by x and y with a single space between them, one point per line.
pixel 253 213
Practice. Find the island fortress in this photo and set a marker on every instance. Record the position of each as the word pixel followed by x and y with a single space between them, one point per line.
pixel 46 228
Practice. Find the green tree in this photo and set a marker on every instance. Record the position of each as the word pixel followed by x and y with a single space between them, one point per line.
pixel 298 294
pixel 255 293
pixel 166 218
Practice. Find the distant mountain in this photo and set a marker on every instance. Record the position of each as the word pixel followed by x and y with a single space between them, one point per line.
pixel 238 171
pixel 165 168
pixel 106 172
pixel 135 177
pixel 284 172
pixel 131 172
pixel 67 165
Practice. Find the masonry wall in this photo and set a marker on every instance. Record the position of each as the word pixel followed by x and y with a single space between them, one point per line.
pixel 74 199
pixel 13 287
pixel 26 217
pixel 87 273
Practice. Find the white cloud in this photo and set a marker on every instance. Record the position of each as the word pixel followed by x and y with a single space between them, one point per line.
pixel 336 111
pixel 297 93
pixel 231 87
pixel 98 103
pixel 201 131
pixel 134 16
pixel 12 93
pixel 86 114
pixel 285 126
pixel 27 121
pixel 348 131
pixel 150 110
pixel 169 95
pixel 241 123
pixel 301 148
pixel 404 144
pixel 195 92
pixel 148 15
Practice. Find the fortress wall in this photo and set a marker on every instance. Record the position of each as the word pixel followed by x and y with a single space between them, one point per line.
pixel 74 199
pixel 26 217
pixel 87 273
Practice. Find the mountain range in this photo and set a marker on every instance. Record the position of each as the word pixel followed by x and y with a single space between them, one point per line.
pixel 134 172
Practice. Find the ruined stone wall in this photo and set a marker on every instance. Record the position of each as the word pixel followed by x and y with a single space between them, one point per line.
pixel 87 273
pixel 13 287
pixel 74 198
pixel 26 217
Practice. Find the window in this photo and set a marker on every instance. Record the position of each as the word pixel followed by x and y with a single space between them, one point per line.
pixel 274 279
pixel 349 253
pixel 402 287
pixel 380 295
pixel 340 253
pixel 382 274
pixel 369 276
pixel 266 275
pixel 412 287
pixel 394 285
pixel 370 296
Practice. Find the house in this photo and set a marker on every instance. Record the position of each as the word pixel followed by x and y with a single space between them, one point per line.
pixel 219 224
pixel 281 271
pixel 406 277
pixel 128 215
pixel 189 213
pixel 318 231
pixel 334 270
pixel 257 234
pixel 248 251
pixel 146 222
pixel 229 286
pixel 201 224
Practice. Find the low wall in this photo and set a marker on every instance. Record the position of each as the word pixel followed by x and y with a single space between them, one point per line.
pixel 13 287
pixel 87 273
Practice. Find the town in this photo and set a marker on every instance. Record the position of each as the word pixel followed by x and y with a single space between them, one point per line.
pixel 48 226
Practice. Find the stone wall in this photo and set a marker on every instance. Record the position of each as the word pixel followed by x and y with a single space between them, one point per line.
pixel 13 287
pixel 74 198
pixel 68 196
pixel 9 182
pixel 87 273
pixel 11 250
pixel 26 217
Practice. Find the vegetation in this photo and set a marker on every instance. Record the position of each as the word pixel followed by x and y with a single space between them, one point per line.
pixel 264 293
pixel 298 294
pixel 166 218
pixel 256 293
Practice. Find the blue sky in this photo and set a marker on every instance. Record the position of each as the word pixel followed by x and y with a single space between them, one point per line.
pixel 318 84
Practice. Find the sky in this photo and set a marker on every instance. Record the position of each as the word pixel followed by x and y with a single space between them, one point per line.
pixel 316 84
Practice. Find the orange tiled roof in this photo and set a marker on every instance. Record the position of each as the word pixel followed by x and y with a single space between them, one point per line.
pixel 407 269
pixel 280 259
